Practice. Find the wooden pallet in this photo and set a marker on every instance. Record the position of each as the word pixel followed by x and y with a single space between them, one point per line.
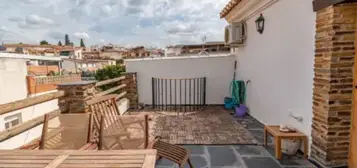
pixel 77 158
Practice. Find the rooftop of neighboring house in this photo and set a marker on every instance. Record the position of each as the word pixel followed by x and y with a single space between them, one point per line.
pixel 137 48
pixel 28 57
pixel 87 60
pixel 197 45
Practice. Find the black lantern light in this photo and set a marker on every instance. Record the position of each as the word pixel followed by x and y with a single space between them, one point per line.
pixel 260 24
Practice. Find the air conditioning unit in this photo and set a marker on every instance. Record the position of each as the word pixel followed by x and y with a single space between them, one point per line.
pixel 235 34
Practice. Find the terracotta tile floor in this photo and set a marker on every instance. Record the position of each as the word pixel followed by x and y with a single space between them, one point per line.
pixel 240 156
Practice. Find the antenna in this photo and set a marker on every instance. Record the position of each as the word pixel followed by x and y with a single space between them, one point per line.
pixel 203 38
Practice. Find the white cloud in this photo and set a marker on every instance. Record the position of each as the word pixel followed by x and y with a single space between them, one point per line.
pixel 15 19
pixel 3 28
pixel 107 9
pixel 38 20
pixel 102 41
pixel 126 22
pixel 83 35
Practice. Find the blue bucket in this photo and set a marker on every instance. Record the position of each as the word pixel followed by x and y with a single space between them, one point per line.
pixel 228 103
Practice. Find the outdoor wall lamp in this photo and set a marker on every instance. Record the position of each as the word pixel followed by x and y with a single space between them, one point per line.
pixel 260 23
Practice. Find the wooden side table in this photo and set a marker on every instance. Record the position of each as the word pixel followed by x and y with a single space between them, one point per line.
pixel 278 136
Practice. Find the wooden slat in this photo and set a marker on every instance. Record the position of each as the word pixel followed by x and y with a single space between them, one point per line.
pixel 100 165
pixel 57 161
pixel 149 161
pixel 100 99
pixel 101 136
pixel 44 132
pixel 121 157
pixel 9 133
pixel 25 165
pixel 122 94
pixel 18 161
pixel 32 157
pixel 80 159
pixel 78 152
pixel 95 161
pixel 111 90
pixel 20 104
pixel 101 83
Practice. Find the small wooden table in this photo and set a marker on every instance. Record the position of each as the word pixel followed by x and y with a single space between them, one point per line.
pixel 78 158
pixel 278 136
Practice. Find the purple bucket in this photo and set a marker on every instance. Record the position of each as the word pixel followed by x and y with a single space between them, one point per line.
pixel 241 110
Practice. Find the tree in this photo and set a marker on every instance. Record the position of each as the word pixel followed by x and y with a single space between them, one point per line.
pixel 82 43
pixel 109 72
pixel 66 40
pixel 59 43
pixel 43 42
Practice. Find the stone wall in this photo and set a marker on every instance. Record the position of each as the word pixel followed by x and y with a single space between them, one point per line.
pixel 131 89
pixel 333 84
pixel 76 95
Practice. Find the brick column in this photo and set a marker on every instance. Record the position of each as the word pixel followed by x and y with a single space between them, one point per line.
pixel 76 94
pixel 131 89
pixel 332 94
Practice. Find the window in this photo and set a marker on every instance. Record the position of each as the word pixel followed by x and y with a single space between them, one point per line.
pixel 13 120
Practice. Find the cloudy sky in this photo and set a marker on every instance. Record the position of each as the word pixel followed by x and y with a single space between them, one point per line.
pixel 126 22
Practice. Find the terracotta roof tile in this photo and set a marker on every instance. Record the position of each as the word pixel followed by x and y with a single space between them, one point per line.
pixel 228 8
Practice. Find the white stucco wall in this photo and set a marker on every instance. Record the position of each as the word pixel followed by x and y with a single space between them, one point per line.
pixel 13 87
pixel 218 70
pixel 68 65
pixel 279 64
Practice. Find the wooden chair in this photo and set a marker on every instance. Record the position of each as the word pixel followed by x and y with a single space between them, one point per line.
pixel 171 152
pixel 113 128
pixel 107 106
pixel 53 139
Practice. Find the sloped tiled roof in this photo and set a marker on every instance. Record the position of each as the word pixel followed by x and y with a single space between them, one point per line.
pixel 228 8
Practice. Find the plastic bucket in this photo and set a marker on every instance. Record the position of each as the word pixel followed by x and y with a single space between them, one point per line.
pixel 290 146
pixel 241 110
pixel 228 103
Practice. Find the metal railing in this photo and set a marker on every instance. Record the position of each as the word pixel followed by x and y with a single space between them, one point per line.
pixel 188 94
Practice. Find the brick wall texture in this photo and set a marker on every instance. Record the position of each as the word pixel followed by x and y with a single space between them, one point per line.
pixel 131 89
pixel 333 84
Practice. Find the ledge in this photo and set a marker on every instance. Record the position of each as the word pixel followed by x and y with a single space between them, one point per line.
pixel 78 83
pixel 247 9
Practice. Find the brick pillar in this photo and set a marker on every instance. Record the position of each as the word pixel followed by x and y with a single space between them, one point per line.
pixel 332 94
pixel 76 93
pixel 131 89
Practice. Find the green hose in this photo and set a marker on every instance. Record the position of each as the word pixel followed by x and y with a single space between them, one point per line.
pixel 238 92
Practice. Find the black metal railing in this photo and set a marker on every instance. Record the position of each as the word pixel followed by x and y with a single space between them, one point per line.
pixel 188 94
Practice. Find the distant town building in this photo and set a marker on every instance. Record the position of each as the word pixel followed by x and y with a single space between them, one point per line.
pixel 194 49
pixel 79 65
pixel 73 53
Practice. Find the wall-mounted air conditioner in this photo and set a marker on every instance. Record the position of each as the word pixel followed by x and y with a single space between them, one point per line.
pixel 235 34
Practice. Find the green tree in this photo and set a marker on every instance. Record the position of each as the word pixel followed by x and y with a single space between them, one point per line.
pixel 82 43
pixel 109 72
pixel 66 40
pixel 59 43
pixel 44 42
